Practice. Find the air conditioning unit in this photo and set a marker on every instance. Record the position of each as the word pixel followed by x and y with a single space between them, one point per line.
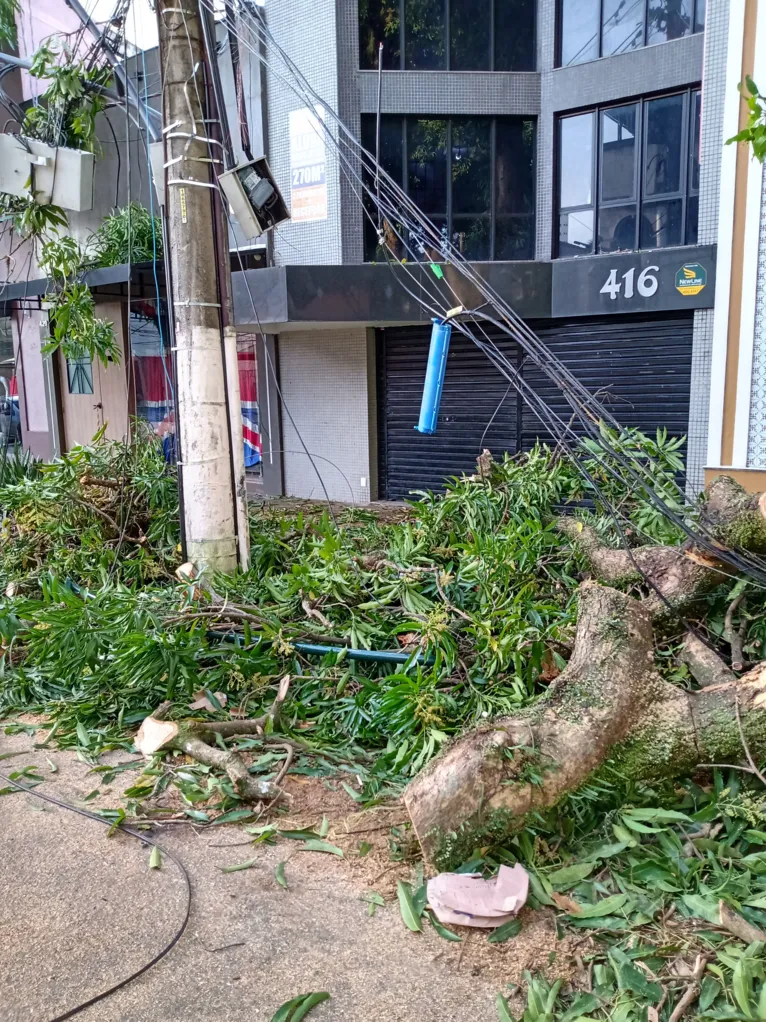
pixel 52 175
pixel 254 197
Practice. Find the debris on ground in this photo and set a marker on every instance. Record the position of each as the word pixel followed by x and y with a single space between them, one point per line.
pixel 543 697
pixel 468 899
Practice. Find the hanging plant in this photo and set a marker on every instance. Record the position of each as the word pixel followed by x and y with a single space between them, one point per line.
pixel 75 329
pixel 128 235
pixel 65 114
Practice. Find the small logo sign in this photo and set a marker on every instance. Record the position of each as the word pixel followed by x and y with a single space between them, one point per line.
pixel 691 279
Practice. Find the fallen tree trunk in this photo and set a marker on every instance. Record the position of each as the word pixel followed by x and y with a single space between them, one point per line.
pixel 609 706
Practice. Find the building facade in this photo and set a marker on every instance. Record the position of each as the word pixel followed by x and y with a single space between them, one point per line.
pixel 573 149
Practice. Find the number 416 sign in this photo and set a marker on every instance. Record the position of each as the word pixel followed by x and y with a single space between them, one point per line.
pixel 646 284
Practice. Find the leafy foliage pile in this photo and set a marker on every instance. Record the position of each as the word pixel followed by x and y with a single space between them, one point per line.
pixel 478 587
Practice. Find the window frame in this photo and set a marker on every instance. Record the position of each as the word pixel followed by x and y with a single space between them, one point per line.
pixel 447 7
pixel 697 6
pixel 684 193
pixel 492 216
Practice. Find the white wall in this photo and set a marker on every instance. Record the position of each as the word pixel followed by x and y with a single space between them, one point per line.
pixel 324 381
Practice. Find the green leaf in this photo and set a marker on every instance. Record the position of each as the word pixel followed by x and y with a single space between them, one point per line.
pixel 740 985
pixel 569 876
pixel 656 815
pixel 197 814
pixel 233 816
pixel 503 1011
pixel 248 864
pixel 705 908
pixel 314 845
pixel 296 835
pixel 605 907
pixel 442 930
pixel 581 1005
pixel 310 1002
pixel 709 989
pixel 280 875
pixel 630 977
pixel 420 899
pixel 541 889
pixel 155 859
pixel 503 933
pixel 407 908
pixel 52 766
pixel 606 851
pixel 324 827
pixel 82 734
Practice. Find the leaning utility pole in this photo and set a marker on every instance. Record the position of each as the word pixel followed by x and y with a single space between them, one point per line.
pixel 205 465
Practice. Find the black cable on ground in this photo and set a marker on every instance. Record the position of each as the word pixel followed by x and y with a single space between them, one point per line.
pixel 144 839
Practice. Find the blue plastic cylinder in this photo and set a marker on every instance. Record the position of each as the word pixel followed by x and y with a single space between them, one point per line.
pixel 435 372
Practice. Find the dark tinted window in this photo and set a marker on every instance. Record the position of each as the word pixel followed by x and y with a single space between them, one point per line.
pixel 427 164
pixel 664 143
pixel 514 34
pixel 424 35
pixel 452 166
pixel 379 23
pixel 514 166
pixel 601 28
pixel 391 156
pixel 469 37
pixel 470 165
pixel 646 162
pixel 417 38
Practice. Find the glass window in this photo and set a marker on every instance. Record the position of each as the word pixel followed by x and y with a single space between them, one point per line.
pixel 79 375
pixel 414 34
pixel 617 228
pixel 692 217
pixel 473 177
pixel 576 233
pixel 470 166
pixel 427 164
pixel 646 162
pixel 579 31
pixel 424 35
pixel 699 15
pixel 618 152
pixel 601 28
pixel 468 36
pixel 622 26
pixel 514 34
pixel 576 166
pixel 391 156
pixel 669 19
pixel 514 166
pixel 661 224
pixel 379 23
pixel 694 154
pixel 471 236
pixel 662 148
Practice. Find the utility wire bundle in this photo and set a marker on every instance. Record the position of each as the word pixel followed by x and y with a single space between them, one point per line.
pixel 385 203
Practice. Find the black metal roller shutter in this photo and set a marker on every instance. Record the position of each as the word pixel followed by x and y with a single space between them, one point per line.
pixel 640 365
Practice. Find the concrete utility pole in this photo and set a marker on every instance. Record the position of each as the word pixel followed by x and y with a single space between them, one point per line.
pixel 209 503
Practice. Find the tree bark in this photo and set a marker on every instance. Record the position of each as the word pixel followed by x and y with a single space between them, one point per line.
pixel 608 706
pixel 681 575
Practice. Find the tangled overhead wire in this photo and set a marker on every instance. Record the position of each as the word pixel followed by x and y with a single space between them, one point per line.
pixel 410 231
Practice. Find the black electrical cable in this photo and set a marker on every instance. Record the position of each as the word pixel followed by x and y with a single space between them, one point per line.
pixel 144 839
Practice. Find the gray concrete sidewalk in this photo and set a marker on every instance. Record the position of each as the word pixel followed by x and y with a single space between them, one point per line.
pixel 79 911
